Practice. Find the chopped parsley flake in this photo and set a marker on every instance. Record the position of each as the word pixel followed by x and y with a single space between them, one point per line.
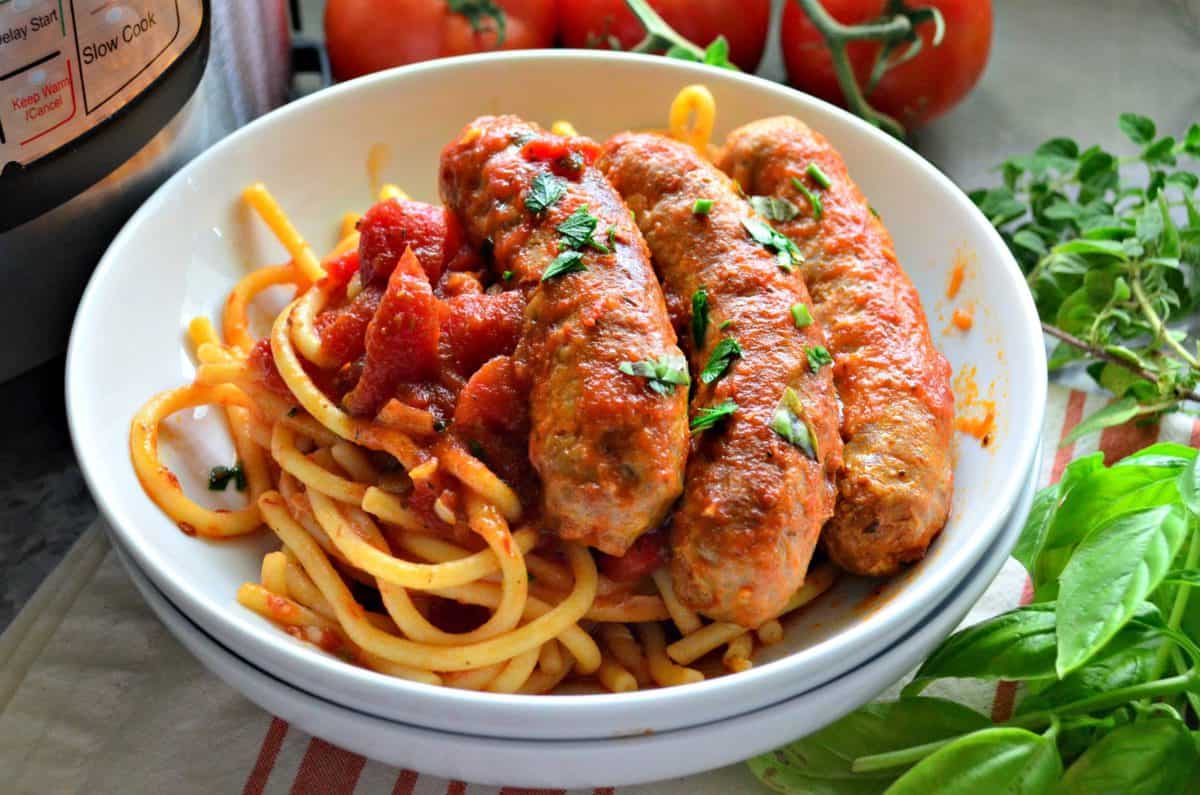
pixel 577 231
pixel 720 360
pixel 706 417
pixel 774 208
pixel 786 253
pixel 662 375
pixel 699 316
pixel 564 263
pixel 813 199
pixel 545 191
pixel 790 423
pixel 818 357
pixel 220 477
pixel 818 176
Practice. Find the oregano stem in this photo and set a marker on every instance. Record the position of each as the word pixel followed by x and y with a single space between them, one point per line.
pixel 1100 353
pixel 1156 323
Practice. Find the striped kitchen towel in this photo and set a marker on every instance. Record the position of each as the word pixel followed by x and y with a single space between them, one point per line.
pixel 97 697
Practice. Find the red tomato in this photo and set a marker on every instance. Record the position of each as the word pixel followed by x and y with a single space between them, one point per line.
pixel 914 92
pixel 609 24
pixel 369 35
pixel 640 560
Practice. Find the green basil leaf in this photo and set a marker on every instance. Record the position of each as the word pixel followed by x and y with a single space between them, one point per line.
pixel 1115 413
pixel 1140 129
pixel 1149 224
pixel 544 192
pixel 720 360
pixel 820 764
pixel 1020 645
pixel 1162 454
pixel 1189 486
pixel 1062 147
pixel 566 262
pixel 577 230
pixel 1006 760
pixel 786 252
pixel 1037 525
pixel 682 54
pixel 1146 758
pixel 1184 179
pixel 1110 574
pixel 1122 668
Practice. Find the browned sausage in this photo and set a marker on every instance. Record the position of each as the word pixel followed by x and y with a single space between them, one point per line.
pixel 609 446
pixel 894 385
pixel 753 502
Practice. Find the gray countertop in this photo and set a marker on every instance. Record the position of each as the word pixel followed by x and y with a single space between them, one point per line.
pixel 1058 67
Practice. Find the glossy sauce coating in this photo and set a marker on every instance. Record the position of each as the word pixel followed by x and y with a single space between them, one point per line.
pixel 754 503
pixel 898 408
pixel 610 451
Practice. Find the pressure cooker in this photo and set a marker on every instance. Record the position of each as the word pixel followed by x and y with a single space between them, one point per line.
pixel 100 101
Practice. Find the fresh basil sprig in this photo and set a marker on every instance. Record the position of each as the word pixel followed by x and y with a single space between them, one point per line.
pixel 1108 653
pixel 1110 246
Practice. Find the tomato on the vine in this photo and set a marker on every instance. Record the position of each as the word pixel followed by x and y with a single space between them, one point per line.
pixel 365 36
pixel 609 24
pixel 914 92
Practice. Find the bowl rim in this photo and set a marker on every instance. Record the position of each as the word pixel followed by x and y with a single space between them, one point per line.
pixel 1021 317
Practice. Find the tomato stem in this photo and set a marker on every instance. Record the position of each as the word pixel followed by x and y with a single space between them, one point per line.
pixel 659 35
pixel 891 30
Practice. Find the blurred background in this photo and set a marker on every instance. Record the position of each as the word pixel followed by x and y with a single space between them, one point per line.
pixel 1061 68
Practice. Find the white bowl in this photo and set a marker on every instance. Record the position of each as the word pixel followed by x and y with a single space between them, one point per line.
pixel 181 252
pixel 570 764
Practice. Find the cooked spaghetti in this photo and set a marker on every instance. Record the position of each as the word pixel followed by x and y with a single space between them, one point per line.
pixel 406 513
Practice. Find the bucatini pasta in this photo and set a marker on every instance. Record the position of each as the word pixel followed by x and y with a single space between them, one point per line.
pixel 406 547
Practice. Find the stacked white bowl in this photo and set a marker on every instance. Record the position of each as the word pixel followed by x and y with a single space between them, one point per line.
pixel 185 248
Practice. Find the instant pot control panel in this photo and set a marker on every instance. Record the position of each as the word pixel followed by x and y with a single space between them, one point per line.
pixel 67 69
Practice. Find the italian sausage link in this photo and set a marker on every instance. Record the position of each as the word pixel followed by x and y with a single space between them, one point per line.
pixel 753 502
pixel 609 446
pixel 894 385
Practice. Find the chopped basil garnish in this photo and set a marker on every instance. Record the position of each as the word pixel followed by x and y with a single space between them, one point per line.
pixel 721 359
pixel 818 176
pixel 577 231
pixel 786 253
pixel 726 324
pixel 801 316
pixel 662 375
pixel 702 206
pixel 506 276
pixel 219 477
pixel 813 199
pixel 564 263
pixel 612 237
pixel 699 316
pixel 789 422
pixel 818 357
pixel 707 417
pixel 774 208
pixel 545 191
